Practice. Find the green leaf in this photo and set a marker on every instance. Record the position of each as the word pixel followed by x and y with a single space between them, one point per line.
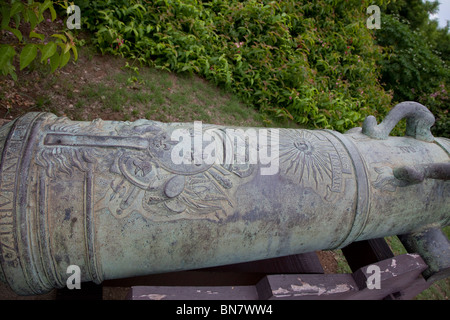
pixel 66 48
pixel 13 74
pixel 7 52
pixel 47 4
pixel 16 7
pixel 69 35
pixel 75 53
pixel 53 13
pixel 48 50
pixel 37 35
pixel 54 61
pixel 64 59
pixel 5 17
pixel 60 36
pixel 27 55
pixel 32 18
pixel 17 18
pixel 16 32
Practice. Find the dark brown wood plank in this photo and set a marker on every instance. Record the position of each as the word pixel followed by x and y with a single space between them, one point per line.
pixel 397 274
pixel 413 289
pixel 362 253
pixel 307 287
pixel 398 277
pixel 189 278
pixel 299 263
pixel 193 293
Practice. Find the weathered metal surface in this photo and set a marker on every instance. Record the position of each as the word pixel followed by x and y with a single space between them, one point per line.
pixel 109 196
pixel 434 247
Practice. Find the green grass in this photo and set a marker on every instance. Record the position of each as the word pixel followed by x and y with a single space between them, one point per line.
pixel 42 102
pixel 342 265
pixel 134 93
pixel 128 91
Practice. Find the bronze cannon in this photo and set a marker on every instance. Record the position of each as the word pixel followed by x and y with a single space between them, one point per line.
pixel 121 199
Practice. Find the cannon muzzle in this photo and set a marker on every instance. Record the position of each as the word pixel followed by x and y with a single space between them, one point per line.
pixel 120 199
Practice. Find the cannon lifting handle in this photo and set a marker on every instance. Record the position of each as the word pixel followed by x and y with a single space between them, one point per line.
pixel 417 174
pixel 419 122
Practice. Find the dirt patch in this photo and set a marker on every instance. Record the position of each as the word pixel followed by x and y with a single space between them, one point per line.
pixel 116 293
pixel 328 261
pixel 38 90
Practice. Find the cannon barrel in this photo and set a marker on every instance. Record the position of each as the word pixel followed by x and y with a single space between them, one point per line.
pixel 121 199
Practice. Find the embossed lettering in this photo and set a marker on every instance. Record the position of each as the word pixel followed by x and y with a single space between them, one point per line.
pixel 6 199
pixel 336 173
pixel 7 241
pixel 407 149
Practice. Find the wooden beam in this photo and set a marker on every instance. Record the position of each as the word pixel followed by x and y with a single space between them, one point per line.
pixel 362 253
pixel 395 275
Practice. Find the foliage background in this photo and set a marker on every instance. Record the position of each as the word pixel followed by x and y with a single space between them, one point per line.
pixel 315 63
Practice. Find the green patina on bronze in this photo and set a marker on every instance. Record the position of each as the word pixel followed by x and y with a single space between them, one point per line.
pixel 107 196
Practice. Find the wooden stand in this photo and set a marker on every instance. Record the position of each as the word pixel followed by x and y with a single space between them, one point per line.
pixel 299 277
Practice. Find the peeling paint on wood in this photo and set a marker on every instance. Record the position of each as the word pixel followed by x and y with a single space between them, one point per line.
pixel 153 296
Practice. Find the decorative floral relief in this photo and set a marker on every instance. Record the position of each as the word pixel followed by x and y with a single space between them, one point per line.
pixel 138 176
pixel 386 181
pixel 312 160
pixel 65 160
pixel 305 157
pixel 142 185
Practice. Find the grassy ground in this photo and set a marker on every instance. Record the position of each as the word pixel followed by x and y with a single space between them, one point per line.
pixel 112 88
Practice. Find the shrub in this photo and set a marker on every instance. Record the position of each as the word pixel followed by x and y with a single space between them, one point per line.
pixel 54 51
pixel 314 62
pixel 413 71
